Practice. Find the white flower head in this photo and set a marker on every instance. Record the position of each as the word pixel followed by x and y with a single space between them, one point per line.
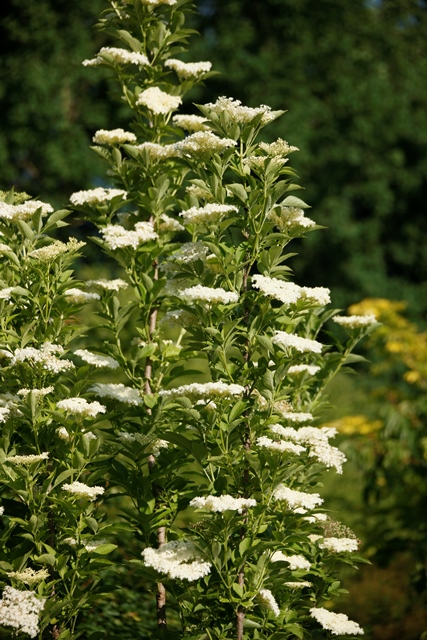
pixel 115 136
pixel 29 576
pixel 239 113
pixel 46 355
pixel 96 360
pixel 207 390
pixel 169 224
pixel 355 322
pixel 157 151
pixel 296 562
pixel 158 101
pixel 286 292
pixel 209 214
pixel 222 503
pixel 81 490
pixel 116 55
pixel 96 196
pixel 108 285
pixel 296 369
pixel 20 610
pixel 199 293
pixel 178 560
pixel 203 144
pixel 117 237
pixel 337 623
pixel 23 211
pixel 339 545
pixel 29 459
pixel 4 414
pixel 278 148
pixel 281 447
pixel 297 500
pixel 119 392
pixel 269 601
pixel 190 122
pixel 188 70
pixel 80 406
pixel 296 343
pixel 77 296
pixel 290 218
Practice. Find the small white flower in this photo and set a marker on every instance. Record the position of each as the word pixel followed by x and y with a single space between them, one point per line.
pixel 30 459
pixel 117 56
pixel 303 368
pixel 296 562
pixel 115 136
pixel 290 218
pixel 96 196
pixel 190 122
pixel 355 322
pixel 286 292
pixel 108 285
pixel 117 237
pixel 23 211
pixel 282 446
pixel 198 390
pixel 118 392
pixel 80 406
pixel 63 434
pixel 316 295
pixel 339 545
pixel 291 341
pixel 77 296
pixel 169 224
pixel 4 414
pixel 20 610
pixel 269 601
pixel 204 144
pixel 29 576
pixel 187 70
pixel 222 503
pixel 178 560
pixel 210 213
pixel 82 490
pixel 96 360
pixel 297 500
pixel 199 293
pixel 158 101
pixel 159 151
pixel 239 113
pixel 337 623
pixel 278 148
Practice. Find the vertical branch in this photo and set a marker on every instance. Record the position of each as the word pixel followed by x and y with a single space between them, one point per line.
pixel 161 531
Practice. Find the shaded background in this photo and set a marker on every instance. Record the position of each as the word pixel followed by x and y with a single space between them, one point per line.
pixel 352 75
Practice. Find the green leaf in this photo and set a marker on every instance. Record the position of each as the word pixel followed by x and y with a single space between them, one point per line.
pixel 104 549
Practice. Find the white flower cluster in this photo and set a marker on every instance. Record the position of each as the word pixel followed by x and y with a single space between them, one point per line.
pixel 6 293
pixel 296 562
pixel 30 459
pixel 77 296
pixel 82 490
pixel 81 407
pixel 204 390
pixel 210 213
pixel 298 501
pixel 178 560
pixel 222 503
pixel 295 369
pixel 290 218
pixel 117 237
pixel 96 360
pixel 1 511
pixel 108 285
pixel 29 576
pixel 187 253
pixel 258 163
pixel 88 546
pixel 118 392
pixel 317 440
pixel 339 545
pixel 298 584
pixel 282 446
pixel 190 122
pixel 355 322
pixel 199 293
pixel 23 211
pixel 55 249
pixel 290 293
pixel 96 196
pixel 291 341
pixel 118 56
pixel 337 623
pixel 4 247
pixel 159 151
pixel 187 70
pixel 278 148
pixel 46 356
pixel 37 393
pixel 4 414
pixel 156 3
pixel 158 101
pixel 115 136
pixel 204 143
pixel 293 416
pixel 238 113
pixel 20 610
pixel 269 601
pixel 167 223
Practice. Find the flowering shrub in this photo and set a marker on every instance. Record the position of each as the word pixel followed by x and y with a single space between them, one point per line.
pixel 212 369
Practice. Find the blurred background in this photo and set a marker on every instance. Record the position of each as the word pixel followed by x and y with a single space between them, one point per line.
pixel 352 75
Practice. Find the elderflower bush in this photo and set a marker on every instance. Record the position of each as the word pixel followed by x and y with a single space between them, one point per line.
pixel 50 443
pixel 231 523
